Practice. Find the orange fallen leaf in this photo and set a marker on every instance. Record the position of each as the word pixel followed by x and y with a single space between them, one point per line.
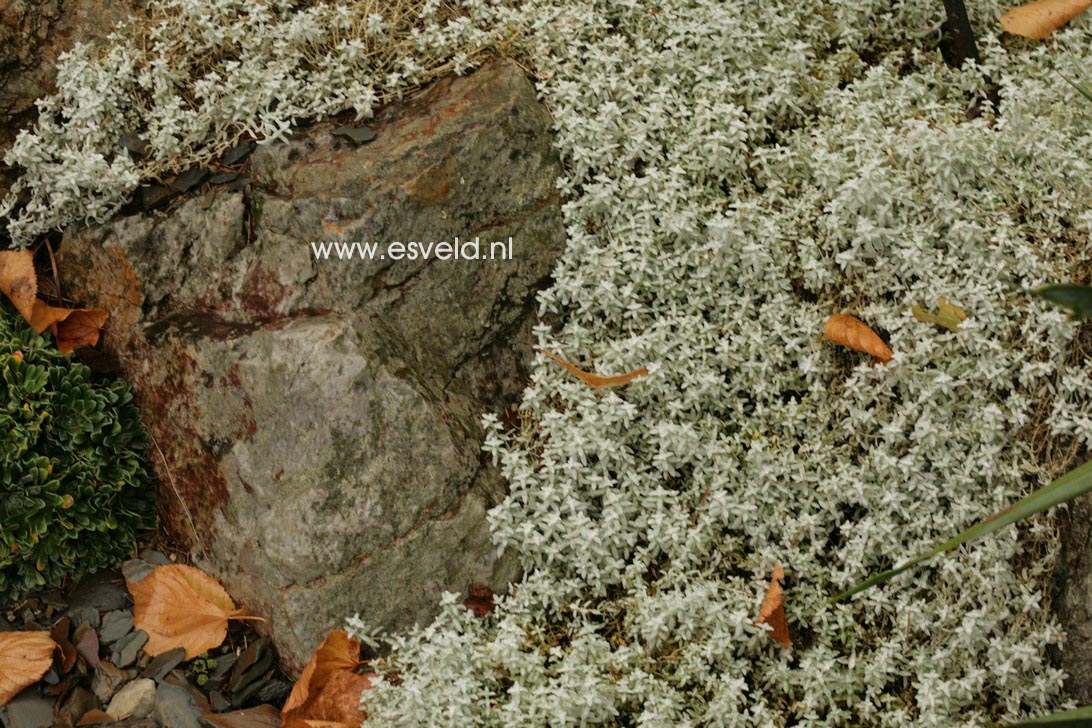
pixel 181 606
pixel 79 327
pixel 24 658
pixel 1037 20
pixel 848 331
pixel 71 327
pixel 595 380
pixel 18 281
pixel 328 692
pixel 772 611
pixel 339 700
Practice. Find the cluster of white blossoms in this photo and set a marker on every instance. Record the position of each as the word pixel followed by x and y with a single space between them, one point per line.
pixel 735 174
pixel 206 74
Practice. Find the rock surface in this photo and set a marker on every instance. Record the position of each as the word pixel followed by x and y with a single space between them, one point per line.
pixel 316 423
pixel 27 710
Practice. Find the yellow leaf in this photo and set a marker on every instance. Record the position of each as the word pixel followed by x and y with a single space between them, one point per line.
pixel 1037 20
pixel 180 606
pixel 24 658
pixel 950 316
pixel 597 381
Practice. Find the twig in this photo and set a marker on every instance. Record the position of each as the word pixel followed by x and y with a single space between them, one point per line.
pixel 185 509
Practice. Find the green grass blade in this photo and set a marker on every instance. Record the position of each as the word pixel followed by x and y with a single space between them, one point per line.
pixel 1084 91
pixel 1074 483
pixel 1076 298
pixel 1075 717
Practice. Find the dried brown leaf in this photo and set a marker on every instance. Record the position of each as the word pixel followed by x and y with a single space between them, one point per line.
pixel 851 332
pixel 18 281
pixel 772 611
pixel 480 599
pixel 70 327
pixel 597 381
pixel 339 701
pixel 328 692
pixel 337 652
pixel 181 606
pixel 96 717
pixel 1037 20
pixel 24 658
pixel 59 634
pixel 79 327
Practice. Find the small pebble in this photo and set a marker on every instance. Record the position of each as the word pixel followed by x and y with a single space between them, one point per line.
pixel 135 700
pixel 127 650
pixel 107 680
pixel 115 625
pixel 175 707
pixel 159 667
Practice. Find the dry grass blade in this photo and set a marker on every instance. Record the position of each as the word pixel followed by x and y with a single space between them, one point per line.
pixel 595 380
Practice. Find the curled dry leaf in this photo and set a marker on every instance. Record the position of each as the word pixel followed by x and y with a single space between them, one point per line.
pixel 59 634
pixel 328 692
pixel 1037 20
pixel 597 381
pixel 772 611
pixel 18 281
pixel 950 316
pixel 339 701
pixel 180 606
pixel 851 332
pixel 24 658
pixel 71 327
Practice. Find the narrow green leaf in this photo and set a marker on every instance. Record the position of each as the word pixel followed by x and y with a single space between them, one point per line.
pixel 1075 483
pixel 1075 717
pixel 1076 298
pixel 1084 91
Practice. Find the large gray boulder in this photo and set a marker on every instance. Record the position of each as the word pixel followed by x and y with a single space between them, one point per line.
pixel 316 423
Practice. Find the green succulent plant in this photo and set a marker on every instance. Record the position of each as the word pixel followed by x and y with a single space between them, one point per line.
pixel 74 486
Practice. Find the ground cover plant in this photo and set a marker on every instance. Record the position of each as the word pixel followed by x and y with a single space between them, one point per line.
pixel 74 487
pixel 736 175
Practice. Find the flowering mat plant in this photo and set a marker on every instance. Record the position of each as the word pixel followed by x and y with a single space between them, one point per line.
pixel 736 174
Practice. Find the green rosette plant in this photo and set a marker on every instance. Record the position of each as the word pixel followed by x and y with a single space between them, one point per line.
pixel 74 485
